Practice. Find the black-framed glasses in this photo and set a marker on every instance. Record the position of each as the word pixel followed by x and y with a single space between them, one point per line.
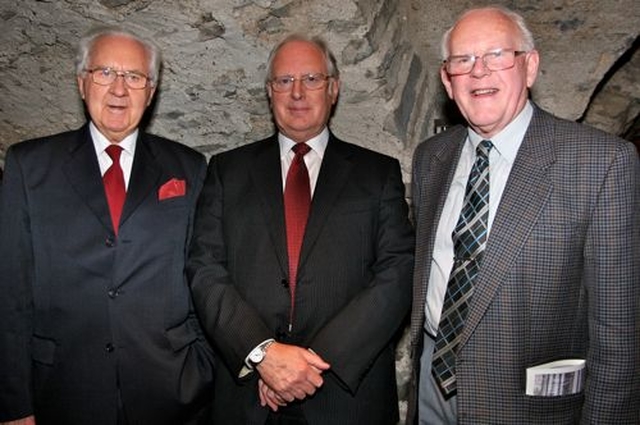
pixel 494 60
pixel 284 83
pixel 106 76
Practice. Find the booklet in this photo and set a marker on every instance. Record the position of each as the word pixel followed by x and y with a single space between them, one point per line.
pixel 562 377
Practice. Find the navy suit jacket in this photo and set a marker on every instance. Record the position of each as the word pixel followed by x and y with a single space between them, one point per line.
pixel 560 277
pixel 354 278
pixel 85 313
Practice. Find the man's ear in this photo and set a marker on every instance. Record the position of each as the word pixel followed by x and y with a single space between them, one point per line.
pixel 446 81
pixel 334 89
pixel 80 86
pixel 532 64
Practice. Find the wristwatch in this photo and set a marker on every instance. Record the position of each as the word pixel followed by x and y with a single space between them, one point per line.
pixel 257 355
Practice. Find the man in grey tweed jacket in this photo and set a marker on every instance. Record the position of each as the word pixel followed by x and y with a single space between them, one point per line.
pixel 560 275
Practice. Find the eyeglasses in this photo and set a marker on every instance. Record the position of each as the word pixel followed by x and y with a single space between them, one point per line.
pixel 495 60
pixel 284 83
pixel 106 76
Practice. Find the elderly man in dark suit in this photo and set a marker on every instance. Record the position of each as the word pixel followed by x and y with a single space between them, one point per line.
pixel 97 325
pixel 544 270
pixel 301 262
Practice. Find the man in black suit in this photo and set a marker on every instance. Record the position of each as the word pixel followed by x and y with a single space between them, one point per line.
pixel 312 343
pixel 97 325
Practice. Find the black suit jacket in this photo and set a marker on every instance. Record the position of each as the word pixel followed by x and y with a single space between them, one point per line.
pixel 83 312
pixel 354 275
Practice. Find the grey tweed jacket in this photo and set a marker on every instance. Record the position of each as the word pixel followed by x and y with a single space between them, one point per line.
pixel 560 277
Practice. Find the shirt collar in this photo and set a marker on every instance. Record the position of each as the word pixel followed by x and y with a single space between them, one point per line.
pixel 508 141
pixel 100 142
pixel 318 143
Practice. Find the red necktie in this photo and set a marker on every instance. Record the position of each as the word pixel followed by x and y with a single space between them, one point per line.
pixel 297 200
pixel 113 180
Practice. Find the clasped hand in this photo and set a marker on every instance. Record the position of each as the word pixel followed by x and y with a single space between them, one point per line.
pixel 287 373
pixel 30 420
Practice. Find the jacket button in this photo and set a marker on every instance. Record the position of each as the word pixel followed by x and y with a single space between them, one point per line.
pixel 110 242
pixel 284 283
pixel 109 347
pixel 113 293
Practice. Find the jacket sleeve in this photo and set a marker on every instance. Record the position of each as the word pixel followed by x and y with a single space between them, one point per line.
pixel 16 271
pixel 612 276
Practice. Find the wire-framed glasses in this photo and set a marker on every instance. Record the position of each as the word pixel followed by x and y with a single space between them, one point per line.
pixel 105 76
pixel 284 83
pixel 494 60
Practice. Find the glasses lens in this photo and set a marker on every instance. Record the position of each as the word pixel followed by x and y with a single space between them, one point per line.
pixel 103 77
pixel 458 65
pixel 499 60
pixel 314 81
pixel 283 83
pixel 134 80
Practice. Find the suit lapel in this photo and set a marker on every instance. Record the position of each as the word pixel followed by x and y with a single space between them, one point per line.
pixel 266 175
pixel 516 216
pixel 83 173
pixel 145 173
pixel 334 175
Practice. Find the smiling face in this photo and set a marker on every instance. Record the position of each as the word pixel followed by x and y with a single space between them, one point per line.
pixel 116 110
pixel 300 113
pixel 489 100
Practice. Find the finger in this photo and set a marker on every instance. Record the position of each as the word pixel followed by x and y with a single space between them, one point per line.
pixel 261 393
pixel 266 397
pixel 276 398
pixel 315 360
pixel 314 378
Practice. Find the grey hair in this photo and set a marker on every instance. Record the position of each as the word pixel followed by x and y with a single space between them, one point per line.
pixel 87 43
pixel 330 59
pixel 526 37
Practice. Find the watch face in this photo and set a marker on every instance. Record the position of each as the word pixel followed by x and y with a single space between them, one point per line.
pixel 257 356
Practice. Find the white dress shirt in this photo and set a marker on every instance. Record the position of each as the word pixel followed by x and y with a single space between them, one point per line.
pixel 501 158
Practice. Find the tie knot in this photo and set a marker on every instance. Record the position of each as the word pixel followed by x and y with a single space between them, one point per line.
pixel 484 148
pixel 114 152
pixel 301 149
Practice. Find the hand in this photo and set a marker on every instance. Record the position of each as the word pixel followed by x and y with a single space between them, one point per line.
pixel 29 420
pixel 268 397
pixel 292 372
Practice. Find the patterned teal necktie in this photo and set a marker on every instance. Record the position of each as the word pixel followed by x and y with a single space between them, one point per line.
pixel 469 240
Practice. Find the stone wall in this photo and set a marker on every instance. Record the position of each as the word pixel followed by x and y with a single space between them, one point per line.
pixel 212 94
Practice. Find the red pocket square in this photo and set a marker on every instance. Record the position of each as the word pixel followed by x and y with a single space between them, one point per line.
pixel 171 189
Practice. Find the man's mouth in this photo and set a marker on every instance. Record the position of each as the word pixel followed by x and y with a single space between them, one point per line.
pixel 483 92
